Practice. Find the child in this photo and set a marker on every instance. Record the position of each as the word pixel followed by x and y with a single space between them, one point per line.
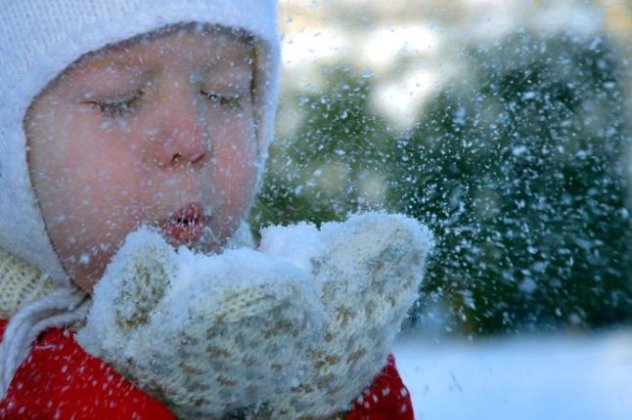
pixel 117 114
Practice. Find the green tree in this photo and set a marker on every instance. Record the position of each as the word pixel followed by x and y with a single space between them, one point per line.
pixel 318 175
pixel 518 170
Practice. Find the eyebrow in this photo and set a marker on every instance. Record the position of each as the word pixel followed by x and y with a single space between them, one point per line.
pixel 111 59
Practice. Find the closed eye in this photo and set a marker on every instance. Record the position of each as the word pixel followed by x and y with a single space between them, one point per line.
pixel 231 101
pixel 118 107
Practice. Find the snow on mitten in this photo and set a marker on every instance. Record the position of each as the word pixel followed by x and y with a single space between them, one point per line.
pixel 208 335
pixel 368 271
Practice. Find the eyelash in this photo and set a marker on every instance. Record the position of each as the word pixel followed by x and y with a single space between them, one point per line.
pixel 233 102
pixel 120 108
pixel 123 107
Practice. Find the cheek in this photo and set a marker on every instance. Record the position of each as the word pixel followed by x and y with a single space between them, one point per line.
pixel 91 168
pixel 236 155
pixel 234 161
pixel 84 179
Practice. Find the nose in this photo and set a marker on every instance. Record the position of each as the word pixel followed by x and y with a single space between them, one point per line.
pixel 182 137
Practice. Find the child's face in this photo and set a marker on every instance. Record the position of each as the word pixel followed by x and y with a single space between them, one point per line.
pixel 159 131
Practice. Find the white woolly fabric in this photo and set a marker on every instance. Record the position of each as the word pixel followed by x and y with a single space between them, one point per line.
pixel 20 283
pixel 295 330
pixel 33 302
pixel 40 38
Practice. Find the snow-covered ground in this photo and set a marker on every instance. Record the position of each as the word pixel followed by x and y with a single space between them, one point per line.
pixel 546 377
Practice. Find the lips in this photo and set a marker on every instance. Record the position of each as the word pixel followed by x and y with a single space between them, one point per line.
pixel 185 225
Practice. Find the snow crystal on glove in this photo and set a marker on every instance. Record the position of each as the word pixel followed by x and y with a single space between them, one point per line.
pixel 296 329
pixel 208 335
pixel 367 271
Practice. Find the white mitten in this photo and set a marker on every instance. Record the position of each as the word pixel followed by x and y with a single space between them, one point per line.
pixel 300 328
pixel 208 335
pixel 367 271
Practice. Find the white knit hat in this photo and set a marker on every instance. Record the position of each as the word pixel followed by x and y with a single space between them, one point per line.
pixel 40 38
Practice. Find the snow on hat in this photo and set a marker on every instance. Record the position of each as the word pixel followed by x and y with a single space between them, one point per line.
pixel 40 38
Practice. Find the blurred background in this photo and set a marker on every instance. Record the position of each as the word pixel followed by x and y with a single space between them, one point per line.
pixel 505 126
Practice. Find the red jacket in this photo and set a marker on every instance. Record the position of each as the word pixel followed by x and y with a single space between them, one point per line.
pixel 59 380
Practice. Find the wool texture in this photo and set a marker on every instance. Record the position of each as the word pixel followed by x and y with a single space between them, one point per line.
pixel 88 388
pixel 295 330
pixel 34 302
pixel 20 283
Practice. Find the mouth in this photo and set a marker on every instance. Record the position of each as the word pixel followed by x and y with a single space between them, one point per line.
pixel 186 225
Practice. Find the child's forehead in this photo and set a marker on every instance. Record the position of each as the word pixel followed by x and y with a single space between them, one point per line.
pixel 217 48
